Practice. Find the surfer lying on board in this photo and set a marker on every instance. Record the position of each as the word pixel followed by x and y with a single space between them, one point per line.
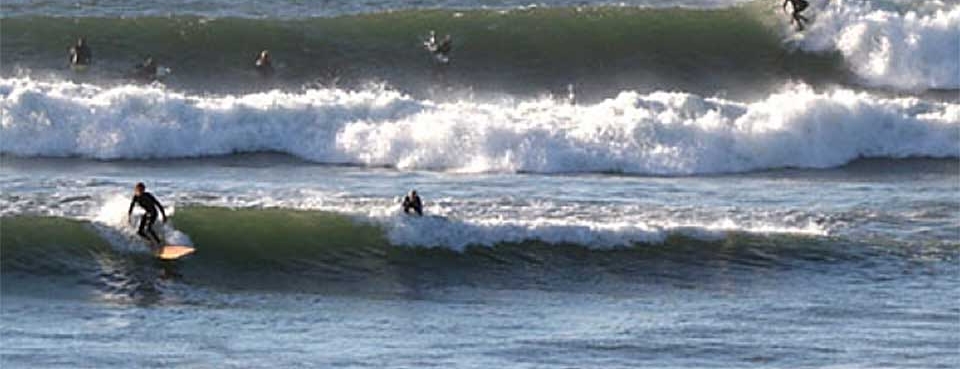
pixel 150 204
pixel 412 202
pixel 798 6
pixel 80 54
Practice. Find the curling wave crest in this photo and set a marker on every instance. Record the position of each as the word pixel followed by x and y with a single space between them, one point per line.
pixel 916 48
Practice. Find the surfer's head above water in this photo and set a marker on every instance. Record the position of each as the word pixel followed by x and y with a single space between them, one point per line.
pixel 139 188
pixel 264 63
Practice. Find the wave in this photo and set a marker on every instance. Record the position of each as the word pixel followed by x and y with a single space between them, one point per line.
pixel 523 52
pixel 301 250
pixel 600 49
pixel 907 49
pixel 293 9
pixel 663 133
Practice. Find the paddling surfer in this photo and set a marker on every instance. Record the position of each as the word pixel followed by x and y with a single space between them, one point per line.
pixel 148 203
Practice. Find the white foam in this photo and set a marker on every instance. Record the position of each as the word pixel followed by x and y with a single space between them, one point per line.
pixel 904 49
pixel 657 133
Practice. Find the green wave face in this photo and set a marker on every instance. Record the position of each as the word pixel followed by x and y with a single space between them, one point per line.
pixel 318 252
pixel 600 50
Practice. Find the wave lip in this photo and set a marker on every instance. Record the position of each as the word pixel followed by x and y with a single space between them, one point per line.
pixel 663 133
pixel 913 49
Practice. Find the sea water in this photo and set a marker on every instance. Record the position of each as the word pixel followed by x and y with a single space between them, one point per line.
pixel 719 191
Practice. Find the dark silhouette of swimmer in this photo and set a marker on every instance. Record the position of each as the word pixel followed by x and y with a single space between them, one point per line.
pixel 147 70
pixel 80 53
pixel 147 202
pixel 264 64
pixel 798 7
pixel 412 202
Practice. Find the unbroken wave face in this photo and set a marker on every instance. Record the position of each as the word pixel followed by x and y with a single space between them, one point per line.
pixel 657 133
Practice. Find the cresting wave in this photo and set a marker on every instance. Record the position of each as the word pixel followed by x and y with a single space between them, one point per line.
pixel 892 44
pixel 664 133
pixel 315 219
pixel 283 250
pixel 916 48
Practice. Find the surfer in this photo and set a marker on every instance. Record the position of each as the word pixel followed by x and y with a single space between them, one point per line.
pixel 80 54
pixel 798 6
pixel 149 204
pixel 412 202
pixel 146 71
pixel 440 50
pixel 264 64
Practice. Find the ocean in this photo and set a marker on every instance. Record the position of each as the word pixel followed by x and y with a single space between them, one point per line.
pixel 607 184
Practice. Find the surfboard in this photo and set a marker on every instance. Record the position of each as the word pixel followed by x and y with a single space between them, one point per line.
pixel 174 252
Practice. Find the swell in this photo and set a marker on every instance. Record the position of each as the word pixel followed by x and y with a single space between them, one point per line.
pixel 600 50
pixel 737 50
pixel 303 251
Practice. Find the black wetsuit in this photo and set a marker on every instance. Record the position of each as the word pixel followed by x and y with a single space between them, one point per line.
pixel 150 205
pixel 80 55
pixel 412 203
pixel 798 7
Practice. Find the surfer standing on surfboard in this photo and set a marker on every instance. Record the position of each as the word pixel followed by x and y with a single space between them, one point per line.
pixel 149 204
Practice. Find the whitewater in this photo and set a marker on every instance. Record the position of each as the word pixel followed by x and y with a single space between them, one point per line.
pixel 664 133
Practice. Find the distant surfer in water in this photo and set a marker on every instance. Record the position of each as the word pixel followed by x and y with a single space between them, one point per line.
pixel 798 6
pixel 264 64
pixel 80 54
pixel 148 203
pixel 441 50
pixel 412 202
pixel 146 71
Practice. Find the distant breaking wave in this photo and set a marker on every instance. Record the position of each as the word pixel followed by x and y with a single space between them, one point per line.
pixel 664 133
